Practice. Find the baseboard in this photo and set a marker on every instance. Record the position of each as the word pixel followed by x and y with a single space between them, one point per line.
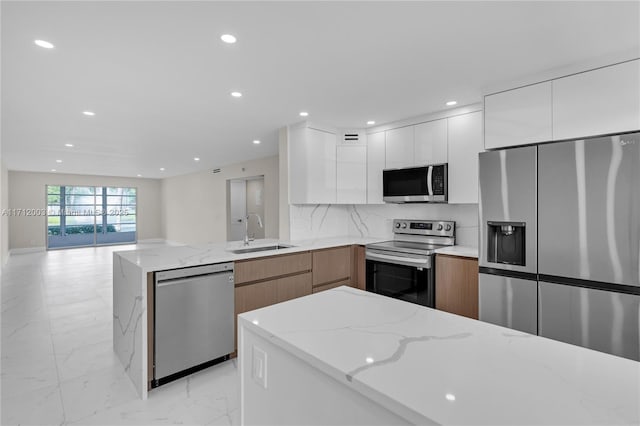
pixel 26 250
pixel 152 241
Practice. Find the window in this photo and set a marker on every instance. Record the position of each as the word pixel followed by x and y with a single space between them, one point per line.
pixel 88 215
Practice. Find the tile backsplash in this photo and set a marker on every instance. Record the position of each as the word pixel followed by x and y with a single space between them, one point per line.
pixel 375 220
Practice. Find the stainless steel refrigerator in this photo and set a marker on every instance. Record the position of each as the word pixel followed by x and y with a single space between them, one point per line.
pixel 588 241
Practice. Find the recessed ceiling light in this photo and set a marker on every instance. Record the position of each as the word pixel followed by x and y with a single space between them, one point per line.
pixel 162 169
pixel 304 114
pixel 53 170
pixel 228 38
pixel 450 397
pixel 451 103
pixel 256 141
pixel 369 360
pixel 196 158
pixel 139 175
pixel 89 113
pixel 371 122
pixel 236 94
pixel 43 43
pixel 68 145
pixel 58 161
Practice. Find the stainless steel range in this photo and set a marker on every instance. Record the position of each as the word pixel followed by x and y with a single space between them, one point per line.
pixel 404 267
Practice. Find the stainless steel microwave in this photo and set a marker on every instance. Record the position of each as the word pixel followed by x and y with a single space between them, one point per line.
pixel 422 184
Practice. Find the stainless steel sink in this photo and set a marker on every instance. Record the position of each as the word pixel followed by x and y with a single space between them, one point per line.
pixel 262 248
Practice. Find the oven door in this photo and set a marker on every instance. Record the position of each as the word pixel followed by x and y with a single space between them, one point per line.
pixel 401 276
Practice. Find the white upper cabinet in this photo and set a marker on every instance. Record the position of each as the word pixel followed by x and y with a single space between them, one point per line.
pixel 312 165
pixel 518 117
pixel 605 100
pixel 375 165
pixel 351 174
pixel 399 148
pixel 465 143
pixel 430 142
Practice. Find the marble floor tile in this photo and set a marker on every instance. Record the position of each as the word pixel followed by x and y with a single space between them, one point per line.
pixel 57 361
pixel 39 407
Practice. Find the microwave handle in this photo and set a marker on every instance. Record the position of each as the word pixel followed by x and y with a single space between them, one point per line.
pixel 429 180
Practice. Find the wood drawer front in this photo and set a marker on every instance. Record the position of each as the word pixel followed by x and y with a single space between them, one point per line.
pixel 271 267
pixel 331 265
pixel 293 287
pixel 324 287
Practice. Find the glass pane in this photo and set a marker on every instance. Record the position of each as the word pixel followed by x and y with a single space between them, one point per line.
pixel 79 229
pixel 53 225
pixel 53 199
pixel 98 190
pixel 53 210
pixel 121 219
pixel 79 220
pixel 53 189
pixel 80 190
pixel 119 200
pixel 121 191
pixel 79 199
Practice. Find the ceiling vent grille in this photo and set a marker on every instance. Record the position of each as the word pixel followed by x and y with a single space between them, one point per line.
pixel 216 171
pixel 352 137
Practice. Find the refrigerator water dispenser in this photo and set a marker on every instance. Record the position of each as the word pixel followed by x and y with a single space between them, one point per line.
pixel 506 243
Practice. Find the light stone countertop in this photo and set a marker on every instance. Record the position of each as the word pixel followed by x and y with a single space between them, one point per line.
pixel 462 251
pixel 430 366
pixel 181 256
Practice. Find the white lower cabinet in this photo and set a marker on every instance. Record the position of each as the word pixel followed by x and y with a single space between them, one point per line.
pixel 605 100
pixel 351 174
pixel 465 143
pixel 375 166
pixel 312 165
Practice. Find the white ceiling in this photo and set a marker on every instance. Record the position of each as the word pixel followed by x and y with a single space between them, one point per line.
pixel 158 77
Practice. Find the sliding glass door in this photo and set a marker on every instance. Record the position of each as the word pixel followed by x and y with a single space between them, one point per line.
pixel 87 215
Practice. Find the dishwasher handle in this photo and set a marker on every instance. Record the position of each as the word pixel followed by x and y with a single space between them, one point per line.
pixel 194 271
pixel 189 280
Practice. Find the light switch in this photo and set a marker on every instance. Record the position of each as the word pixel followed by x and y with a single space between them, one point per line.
pixel 259 367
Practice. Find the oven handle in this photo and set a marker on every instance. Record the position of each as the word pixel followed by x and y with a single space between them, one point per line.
pixel 407 261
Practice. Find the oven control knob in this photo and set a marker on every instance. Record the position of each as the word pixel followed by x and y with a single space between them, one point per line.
pixel 440 227
pixel 404 225
pixel 397 224
pixel 448 228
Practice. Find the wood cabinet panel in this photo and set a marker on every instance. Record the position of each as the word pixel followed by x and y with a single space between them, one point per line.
pixel 331 265
pixel 375 165
pixel 457 285
pixel 359 276
pixel 293 287
pixel 399 149
pixel 270 267
pixel 465 142
pixel 319 288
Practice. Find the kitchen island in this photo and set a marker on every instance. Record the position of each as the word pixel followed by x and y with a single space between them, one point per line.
pixel 346 356
pixel 133 274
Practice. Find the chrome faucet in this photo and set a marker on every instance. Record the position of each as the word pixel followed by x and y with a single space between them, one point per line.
pixel 246 226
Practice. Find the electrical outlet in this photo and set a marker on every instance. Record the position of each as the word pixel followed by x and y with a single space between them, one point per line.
pixel 259 367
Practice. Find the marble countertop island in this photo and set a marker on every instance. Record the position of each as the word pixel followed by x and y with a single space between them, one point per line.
pixel 422 366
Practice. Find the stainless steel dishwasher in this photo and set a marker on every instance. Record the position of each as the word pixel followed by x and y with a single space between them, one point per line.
pixel 194 321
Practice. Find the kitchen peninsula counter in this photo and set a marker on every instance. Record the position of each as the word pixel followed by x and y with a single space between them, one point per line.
pixel 130 282
pixel 345 356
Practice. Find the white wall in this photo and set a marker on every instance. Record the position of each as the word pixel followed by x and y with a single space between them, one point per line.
pixel 27 191
pixel 195 208
pixel 4 219
pixel 318 221
pixel 283 195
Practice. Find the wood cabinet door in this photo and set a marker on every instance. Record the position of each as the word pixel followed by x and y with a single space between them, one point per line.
pixel 331 265
pixel 457 285
pixel 293 287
